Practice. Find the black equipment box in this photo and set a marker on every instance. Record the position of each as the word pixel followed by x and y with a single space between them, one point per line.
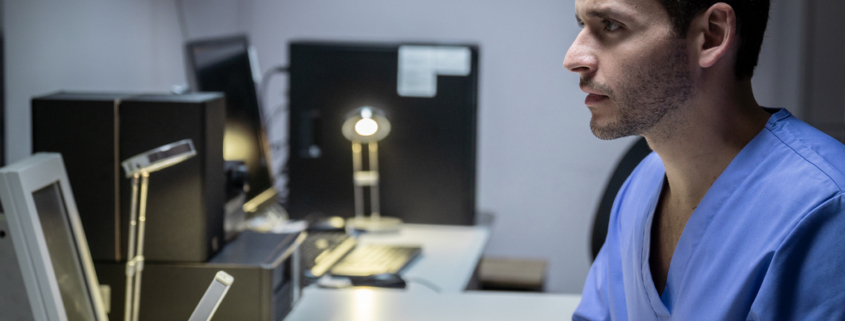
pixel 265 268
pixel 427 164
pixel 95 132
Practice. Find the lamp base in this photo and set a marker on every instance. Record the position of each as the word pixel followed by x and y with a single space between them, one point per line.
pixel 376 224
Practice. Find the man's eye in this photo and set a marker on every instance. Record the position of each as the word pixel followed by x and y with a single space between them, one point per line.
pixel 610 25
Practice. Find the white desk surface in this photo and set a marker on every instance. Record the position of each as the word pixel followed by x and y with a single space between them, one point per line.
pixel 386 304
pixel 449 257
pixel 449 253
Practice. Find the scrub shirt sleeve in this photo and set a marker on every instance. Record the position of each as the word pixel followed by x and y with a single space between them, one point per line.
pixel 597 301
pixel 806 278
pixel 594 298
pixel 603 297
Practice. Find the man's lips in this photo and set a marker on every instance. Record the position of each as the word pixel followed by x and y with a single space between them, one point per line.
pixel 593 99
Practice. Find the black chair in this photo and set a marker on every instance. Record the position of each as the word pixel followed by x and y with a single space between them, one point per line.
pixel 632 158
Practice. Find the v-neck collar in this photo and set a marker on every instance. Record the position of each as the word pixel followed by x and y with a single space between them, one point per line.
pixel 695 228
pixel 660 309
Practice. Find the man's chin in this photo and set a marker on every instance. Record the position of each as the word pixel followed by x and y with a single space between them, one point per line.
pixel 607 130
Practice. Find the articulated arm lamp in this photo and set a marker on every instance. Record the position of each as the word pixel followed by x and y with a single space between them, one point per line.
pixel 140 166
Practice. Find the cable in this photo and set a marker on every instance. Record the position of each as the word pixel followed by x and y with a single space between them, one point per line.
pixel 268 119
pixel 425 283
pixel 265 80
pixel 180 16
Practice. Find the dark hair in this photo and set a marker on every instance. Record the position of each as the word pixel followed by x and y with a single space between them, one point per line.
pixel 751 19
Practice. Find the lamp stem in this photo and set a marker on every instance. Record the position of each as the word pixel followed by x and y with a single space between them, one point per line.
pixel 130 254
pixel 374 197
pixel 139 258
pixel 356 167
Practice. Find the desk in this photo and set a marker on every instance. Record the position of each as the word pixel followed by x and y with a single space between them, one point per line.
pixel 449 253
pixel 391 305
pixel 449 257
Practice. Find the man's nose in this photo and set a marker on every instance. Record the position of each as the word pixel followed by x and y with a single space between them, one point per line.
pixel 581 58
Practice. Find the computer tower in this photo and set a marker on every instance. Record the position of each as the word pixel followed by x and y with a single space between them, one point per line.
pixel 95 132
pixel 266 281
pixel 427 164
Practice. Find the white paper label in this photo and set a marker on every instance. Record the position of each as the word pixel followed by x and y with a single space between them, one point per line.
pixel 416 76
pixel 452 61
pixel 419 67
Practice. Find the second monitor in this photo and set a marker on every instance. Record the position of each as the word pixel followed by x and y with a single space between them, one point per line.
pixel 426 164
pixel 224 65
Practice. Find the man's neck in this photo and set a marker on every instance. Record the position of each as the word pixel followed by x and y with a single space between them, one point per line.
pixel 696 144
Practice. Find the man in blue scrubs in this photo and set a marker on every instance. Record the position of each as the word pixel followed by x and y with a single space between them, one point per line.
pixel 738 215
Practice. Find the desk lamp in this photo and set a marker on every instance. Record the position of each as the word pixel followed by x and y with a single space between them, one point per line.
pixel 140 166
pixel 367 125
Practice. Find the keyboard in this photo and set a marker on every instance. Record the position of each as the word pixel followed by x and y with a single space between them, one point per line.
pixel 370 259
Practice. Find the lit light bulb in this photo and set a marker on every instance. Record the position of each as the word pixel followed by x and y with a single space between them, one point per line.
pixel 366 127
pixel 366 113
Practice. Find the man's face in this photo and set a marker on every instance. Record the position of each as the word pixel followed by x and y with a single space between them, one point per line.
pixel 632 65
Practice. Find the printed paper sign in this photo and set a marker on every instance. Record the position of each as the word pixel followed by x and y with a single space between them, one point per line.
pixel 419 67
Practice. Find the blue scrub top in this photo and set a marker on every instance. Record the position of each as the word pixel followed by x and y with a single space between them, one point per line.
pixel 767 241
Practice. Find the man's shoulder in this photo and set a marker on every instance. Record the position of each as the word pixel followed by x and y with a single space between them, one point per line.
pixel 805 153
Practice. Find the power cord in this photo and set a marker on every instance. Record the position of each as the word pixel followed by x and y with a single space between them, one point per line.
pixel 265 81
pixel 425 283
pixel 180 17
pixel 269 119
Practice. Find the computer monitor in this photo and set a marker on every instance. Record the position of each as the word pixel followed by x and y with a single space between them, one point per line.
pixel 427 164
pixel 49 242
pixel 224 65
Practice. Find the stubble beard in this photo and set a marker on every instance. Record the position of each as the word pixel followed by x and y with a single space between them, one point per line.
pixel 647 95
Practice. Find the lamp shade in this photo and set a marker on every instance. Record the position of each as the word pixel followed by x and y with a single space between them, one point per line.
pixel 365 125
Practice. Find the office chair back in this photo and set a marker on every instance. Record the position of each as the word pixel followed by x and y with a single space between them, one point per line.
pixel 626 166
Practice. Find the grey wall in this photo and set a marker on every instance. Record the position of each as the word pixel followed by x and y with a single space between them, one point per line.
pixel 3 139
pixel 778 80
pixel 825 68
pixel 540 169
pixel 88 45
pixel 541 172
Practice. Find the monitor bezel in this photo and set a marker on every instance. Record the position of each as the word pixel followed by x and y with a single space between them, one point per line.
pixel 18 182
pixel 264 142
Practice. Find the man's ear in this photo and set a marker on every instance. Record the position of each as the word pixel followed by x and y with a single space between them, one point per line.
pixel 714 34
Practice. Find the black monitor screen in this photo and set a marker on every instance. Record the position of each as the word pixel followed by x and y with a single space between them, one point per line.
pixel 427 164
pixel 63 253
pixel 223 65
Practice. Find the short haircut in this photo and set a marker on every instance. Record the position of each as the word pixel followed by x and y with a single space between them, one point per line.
pixel 751 19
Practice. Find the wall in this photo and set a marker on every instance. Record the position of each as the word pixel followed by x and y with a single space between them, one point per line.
pixel 3 140
pixel 825 67
pixel 86 46
pixel 540 170
pixel 779 78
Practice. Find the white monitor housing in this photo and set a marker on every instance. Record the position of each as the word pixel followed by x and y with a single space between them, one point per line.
pixel 49 242
pixel 212 297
